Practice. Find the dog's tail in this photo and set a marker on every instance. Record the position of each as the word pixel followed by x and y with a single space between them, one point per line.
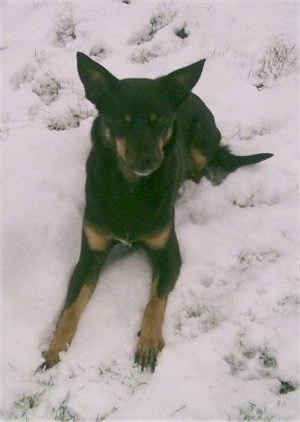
pixel 224 162
pixel 230 162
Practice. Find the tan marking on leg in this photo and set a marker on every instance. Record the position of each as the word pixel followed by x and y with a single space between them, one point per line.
pixel 151 340
pixel 198 164
pixel 157 240
pixel 97 241
pixel 199 159
pixel 67 325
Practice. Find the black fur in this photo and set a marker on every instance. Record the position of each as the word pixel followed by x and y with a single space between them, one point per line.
pixel 149 137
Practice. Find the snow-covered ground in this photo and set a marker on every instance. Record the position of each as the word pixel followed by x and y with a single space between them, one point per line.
pixel 231 328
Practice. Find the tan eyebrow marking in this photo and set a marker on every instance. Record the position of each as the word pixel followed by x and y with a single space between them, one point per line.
pixel 127 117
pixel 107 134
pixel 153 117
pixel 121 147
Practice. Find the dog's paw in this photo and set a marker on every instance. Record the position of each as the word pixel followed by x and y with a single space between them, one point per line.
pixel 51 359
pixel 147 350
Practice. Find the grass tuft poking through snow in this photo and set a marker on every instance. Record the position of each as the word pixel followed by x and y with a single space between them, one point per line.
pixel 182 32
pixel 65 26
pixel 159 20
pixel 279 59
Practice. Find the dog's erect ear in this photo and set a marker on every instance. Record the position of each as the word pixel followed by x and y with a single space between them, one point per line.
pixel 96 79
pixel 180 83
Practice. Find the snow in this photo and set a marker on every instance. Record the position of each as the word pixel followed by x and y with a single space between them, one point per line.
pixel 231 330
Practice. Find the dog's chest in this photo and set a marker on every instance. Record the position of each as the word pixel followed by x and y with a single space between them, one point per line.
pixel 127 212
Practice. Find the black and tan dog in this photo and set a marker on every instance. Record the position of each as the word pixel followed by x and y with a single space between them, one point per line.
pixel 150 136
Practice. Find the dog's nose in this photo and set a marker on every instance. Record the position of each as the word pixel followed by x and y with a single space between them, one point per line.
pixel 146 164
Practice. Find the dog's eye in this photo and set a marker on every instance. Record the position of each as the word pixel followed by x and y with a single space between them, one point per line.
pixel 153 117
pixel 127 117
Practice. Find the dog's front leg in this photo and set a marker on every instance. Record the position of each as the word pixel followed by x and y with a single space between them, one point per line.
pixel 164 253
pixel 94 249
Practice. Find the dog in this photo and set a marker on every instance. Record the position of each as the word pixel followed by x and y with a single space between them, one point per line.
pixel 150 135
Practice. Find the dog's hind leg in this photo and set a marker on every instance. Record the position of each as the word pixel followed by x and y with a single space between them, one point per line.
pixel 224 163
pixel 165 256
pixel 198 162
pixel 94 249
pixel 204 139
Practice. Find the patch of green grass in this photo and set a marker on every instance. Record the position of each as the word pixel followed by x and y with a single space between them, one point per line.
pixel 286 387
pixel 159 20
pixel 145 55
pixel 63 412
pixel 27 402
pixel 181 32
pixel 278 59
pixel 251 412
pixel 65 26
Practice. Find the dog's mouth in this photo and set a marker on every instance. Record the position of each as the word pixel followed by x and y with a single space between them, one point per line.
pixel 146 167
pixel 142 163
pixel 137 170
pixel 145 173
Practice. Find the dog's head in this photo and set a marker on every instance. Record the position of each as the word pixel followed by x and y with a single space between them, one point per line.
pixel 137 115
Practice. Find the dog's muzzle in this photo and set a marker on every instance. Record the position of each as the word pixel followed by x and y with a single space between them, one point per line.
pixel 147 165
